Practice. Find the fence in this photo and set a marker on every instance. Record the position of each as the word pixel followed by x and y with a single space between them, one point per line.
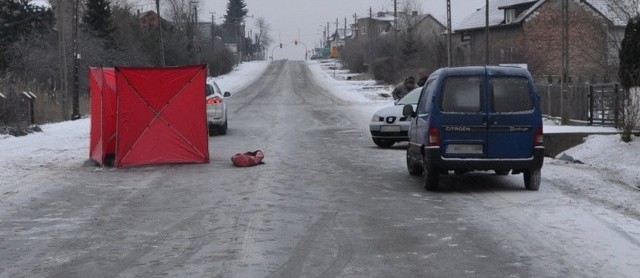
pixel 588 103
pixel 25 103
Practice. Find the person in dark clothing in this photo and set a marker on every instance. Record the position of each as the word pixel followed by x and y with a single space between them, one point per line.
pixel 423 78
pixel 403 89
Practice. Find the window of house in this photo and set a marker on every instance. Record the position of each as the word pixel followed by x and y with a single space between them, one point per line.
pixel 509 16
pixel 364 30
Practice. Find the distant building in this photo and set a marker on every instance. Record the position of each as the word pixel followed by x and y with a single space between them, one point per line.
pixel 374 27
pixel 530 32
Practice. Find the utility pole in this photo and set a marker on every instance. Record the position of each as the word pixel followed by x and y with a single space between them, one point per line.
pixel 345 28
pixel 355 25
pixel 335 38
pixel 395 36
pixel 486 35
pixel 195 31
pixel 564 100
pixel 449 33
pixel 76 64
pixel 63 68
pixel 213 36
pixel 162 59
pixel 395 21
pixel 213 27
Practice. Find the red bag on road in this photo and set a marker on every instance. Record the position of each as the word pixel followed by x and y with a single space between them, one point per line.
pixel 248 159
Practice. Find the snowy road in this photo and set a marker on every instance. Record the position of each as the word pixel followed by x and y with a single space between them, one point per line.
pixel 327 203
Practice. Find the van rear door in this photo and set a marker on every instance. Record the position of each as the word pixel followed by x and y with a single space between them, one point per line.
pixel 512 121
pixel 463 129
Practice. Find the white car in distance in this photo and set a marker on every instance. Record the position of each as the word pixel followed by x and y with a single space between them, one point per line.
pixel 388 126
pixel 216 109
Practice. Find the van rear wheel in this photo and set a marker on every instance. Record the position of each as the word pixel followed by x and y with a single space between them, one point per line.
pixel 414 168
pixel 532 179
pixel 431 177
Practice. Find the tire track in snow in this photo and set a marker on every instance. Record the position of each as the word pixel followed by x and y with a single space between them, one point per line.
pixel 293 267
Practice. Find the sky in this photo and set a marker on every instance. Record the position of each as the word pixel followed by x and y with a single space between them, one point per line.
pixel 306 19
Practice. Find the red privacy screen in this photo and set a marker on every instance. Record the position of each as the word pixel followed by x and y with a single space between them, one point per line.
pixel 160 116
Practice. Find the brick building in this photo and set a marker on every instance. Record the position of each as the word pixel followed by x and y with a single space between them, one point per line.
pixel 530 32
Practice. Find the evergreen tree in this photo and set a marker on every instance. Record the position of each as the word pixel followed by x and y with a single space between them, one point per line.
pixel 18 19
pixel 98 18
pixel 236 12
pixel 629 72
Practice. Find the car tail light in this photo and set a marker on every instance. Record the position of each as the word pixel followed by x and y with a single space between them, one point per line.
pixel 434 137
pixel 539 139
pixel 214 101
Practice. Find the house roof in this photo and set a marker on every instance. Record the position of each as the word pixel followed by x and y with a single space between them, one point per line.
pixel 423 17
pixel 341 34
pixel 496 13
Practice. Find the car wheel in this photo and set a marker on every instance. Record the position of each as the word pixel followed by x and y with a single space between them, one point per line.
pixel 431 177
pixel 383 143
pixel 414 169
pixel 532 179
pixel 212 130
pixel 223 128
pixel 502 172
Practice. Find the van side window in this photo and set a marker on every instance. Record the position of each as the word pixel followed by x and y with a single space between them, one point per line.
pixel 424 106
pixel 462 94
pixel 511 94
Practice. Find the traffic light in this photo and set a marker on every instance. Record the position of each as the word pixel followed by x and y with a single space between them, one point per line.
pixel 280 45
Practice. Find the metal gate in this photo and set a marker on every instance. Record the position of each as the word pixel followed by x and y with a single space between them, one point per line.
pixel 605 104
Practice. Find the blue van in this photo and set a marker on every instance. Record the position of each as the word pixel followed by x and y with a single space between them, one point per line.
pixel 476 118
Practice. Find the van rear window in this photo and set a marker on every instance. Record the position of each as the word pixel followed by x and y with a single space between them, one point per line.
pixel 511 94
pixel 462 94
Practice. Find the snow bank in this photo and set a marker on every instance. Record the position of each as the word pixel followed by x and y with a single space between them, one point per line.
pixel 577 129
pixel 66 144
pixel 59 145
pixel 609 154
pixel 327 74
pixel 241 76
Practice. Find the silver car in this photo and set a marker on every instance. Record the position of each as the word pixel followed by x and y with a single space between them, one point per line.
pixel 216 109
pixel 389 126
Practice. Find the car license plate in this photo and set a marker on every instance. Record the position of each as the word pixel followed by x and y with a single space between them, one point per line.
pixel 464 149
pixel 390 128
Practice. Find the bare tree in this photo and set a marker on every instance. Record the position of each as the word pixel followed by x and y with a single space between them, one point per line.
pixel 181 13
pixel 406 17
pixel 630 114
pixel 263 37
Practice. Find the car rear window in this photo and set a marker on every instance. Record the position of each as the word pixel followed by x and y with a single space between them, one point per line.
pixel 511 94
pixel 462 94
pixel 209 90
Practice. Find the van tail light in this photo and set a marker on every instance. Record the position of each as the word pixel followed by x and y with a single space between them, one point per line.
pixel 539 139
pixel 434 137
pixel 214 101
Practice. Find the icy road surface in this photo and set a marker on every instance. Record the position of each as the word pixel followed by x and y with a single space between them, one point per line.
pixel 327 203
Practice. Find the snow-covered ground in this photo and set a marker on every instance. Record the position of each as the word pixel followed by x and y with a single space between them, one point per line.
pixel 66 144
pixel 609 171
pixel 329 74
pixel 241 76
